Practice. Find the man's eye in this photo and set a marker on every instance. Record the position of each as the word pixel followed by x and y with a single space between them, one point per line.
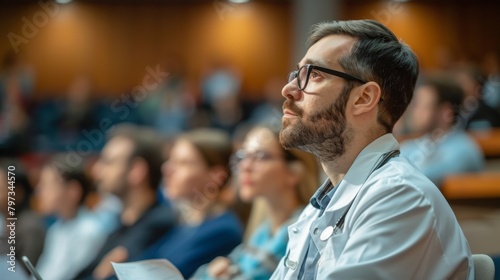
pixel 314 74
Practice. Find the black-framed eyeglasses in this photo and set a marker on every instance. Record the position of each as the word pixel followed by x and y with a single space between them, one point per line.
pixel 302 75
pixel 259 156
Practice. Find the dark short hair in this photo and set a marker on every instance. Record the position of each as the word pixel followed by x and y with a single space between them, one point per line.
pixel 448 91
pixel 214 145
pixel 377 56
pixel 71 172
pixel 147 145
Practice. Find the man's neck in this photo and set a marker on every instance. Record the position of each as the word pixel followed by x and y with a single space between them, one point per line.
pixel 135 204
pixel 69 214
pixel 194 214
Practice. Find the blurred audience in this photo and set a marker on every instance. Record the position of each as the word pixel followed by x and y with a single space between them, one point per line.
pixel 491 90
pixel 130 168
pixel 476 114
pixel 76 236
pixel 169 106
pixel 445 148
pixel 269 113
pixel 220 89
pixel 61 124
pixel 283 181
pixel 196 178
pixel 77 110
pixel 16 86
pixel 30 228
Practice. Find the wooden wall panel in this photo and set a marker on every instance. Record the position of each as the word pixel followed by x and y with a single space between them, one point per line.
pixel 115 43
pixel 467 29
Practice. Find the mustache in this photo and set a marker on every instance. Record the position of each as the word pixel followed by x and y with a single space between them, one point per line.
pixel 288 104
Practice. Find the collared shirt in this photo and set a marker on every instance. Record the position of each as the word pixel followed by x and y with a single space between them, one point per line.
pixel 70 245
pixel 323 195
pixel 320 201
pixel 399 226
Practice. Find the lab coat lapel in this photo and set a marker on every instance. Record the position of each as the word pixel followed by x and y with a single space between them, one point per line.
pixel 298 234
pixel 354 179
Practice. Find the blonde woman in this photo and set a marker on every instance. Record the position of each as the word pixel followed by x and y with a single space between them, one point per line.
pixel 283 182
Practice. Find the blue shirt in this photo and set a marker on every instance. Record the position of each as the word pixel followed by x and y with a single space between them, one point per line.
pixel 261 256
pixel 189 247
pixel 258 259
pixel 319 200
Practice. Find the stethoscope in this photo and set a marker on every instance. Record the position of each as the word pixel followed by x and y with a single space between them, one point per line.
pixel 340 222
pixel 330 231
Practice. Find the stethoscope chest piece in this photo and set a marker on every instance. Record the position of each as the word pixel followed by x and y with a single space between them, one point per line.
pixel 327 233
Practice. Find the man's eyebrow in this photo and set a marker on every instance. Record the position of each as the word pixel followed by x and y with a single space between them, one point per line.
pixel 312 61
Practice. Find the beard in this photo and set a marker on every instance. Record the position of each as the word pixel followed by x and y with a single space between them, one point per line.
pixel 323 133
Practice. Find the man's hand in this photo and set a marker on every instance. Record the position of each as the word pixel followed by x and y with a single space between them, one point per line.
pixel 105 269
pixel 219 267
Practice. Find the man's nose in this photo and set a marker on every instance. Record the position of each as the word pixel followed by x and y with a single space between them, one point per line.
pixel 291 90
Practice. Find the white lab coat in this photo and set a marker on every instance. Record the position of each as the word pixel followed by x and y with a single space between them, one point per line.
pixel 398 227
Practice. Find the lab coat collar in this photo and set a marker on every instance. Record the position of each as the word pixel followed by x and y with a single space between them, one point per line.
pixel 359 171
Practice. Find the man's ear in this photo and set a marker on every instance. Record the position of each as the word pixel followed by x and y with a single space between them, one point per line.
pixel 447 114
pixel 366 98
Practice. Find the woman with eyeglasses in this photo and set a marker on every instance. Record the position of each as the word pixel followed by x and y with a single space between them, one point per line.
pixel 280 183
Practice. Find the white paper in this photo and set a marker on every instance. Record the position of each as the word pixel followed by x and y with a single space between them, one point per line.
pixel 156 269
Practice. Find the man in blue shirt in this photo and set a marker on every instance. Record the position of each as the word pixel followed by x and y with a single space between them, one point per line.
pixel 444 149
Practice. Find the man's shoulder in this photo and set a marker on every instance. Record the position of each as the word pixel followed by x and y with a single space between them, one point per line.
pixel 224 224
pixel 159 215
pixel 400 173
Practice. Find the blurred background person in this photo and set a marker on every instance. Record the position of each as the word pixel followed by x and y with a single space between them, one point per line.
pixel 30 228
pixel 130 168
pixel 77 112
pixel 196 178
pixel 476 114
pixel 282 181
pixel 16 88
pixel 169 106
pixel 491 91
pixel 269 113
pixel 445 148
pixel 220 90
pixel 76 236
